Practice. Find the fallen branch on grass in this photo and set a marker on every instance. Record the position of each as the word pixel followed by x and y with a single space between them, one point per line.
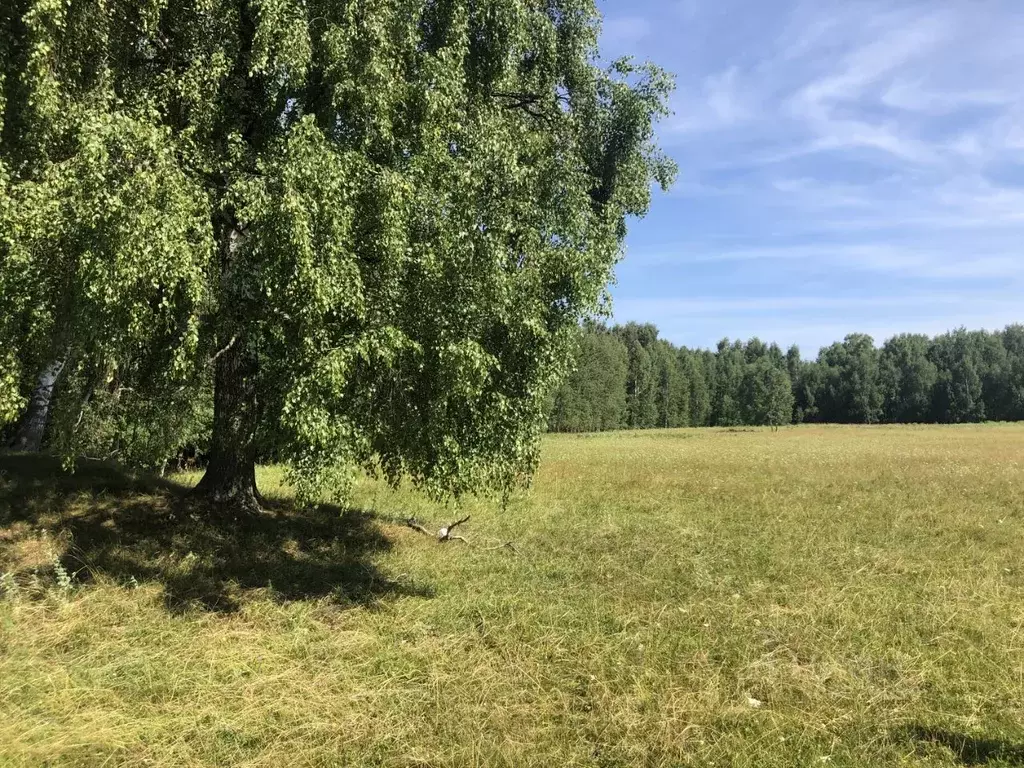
pixel 411 522
pixel 445 534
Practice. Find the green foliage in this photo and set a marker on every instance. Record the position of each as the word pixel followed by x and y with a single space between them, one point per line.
pixel 397 213
pixel 694 371
pixel 122 419
pixel 961 376
pixel 958 392
pixel 642 380
pixel 730 364
pixel 906 378
pixel 850 391
pixel 807 384
pixel 1013 342
pixel 992 363
pixel 672 398
pixel 108 263
pixel 768 394
pixel 593 397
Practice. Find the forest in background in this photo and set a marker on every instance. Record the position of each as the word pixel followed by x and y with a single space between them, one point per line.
pixel 628 378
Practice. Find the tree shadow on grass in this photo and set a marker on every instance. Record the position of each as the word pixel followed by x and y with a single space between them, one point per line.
pixel 105 522
pixel 967 750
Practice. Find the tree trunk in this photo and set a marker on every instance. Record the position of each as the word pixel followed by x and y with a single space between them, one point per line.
pixel 230 477
pixel 33 423
pixel 231 474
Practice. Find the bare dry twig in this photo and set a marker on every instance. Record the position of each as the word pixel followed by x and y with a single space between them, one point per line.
pixel 411 522
pixel 445 534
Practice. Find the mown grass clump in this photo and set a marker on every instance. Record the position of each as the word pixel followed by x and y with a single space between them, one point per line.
pixel 819 596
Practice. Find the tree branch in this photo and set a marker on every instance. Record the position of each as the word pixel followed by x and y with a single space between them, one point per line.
pixel 411 522
pixel 230 344
pixel 530 103
pixel 443 535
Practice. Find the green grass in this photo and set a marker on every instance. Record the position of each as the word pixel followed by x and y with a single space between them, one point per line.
pixel 865 584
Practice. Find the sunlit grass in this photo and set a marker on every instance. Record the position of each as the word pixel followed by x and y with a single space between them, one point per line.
pixel 819 596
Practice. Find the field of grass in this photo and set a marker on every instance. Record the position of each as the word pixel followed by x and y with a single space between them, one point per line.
pixel 841 596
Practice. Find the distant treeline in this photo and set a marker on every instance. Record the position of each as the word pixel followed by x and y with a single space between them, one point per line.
pixel 628 378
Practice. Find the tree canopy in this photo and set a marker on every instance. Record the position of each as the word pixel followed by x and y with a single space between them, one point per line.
pixel 956 377
pixel 371 227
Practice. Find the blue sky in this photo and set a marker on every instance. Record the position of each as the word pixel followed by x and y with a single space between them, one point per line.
pixel 844 166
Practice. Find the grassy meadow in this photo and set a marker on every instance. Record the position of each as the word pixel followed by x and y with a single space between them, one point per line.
pixel 840 596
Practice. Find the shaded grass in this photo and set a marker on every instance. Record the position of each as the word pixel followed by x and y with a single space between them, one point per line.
pixel 113 526
pixel 864 584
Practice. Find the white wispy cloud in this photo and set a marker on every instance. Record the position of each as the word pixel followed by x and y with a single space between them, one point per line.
pixel 872 87
pixel 719 105
pixel 934 261
pixel 916 96
pixel 824 145
pixel 848 80
pixel 770 304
